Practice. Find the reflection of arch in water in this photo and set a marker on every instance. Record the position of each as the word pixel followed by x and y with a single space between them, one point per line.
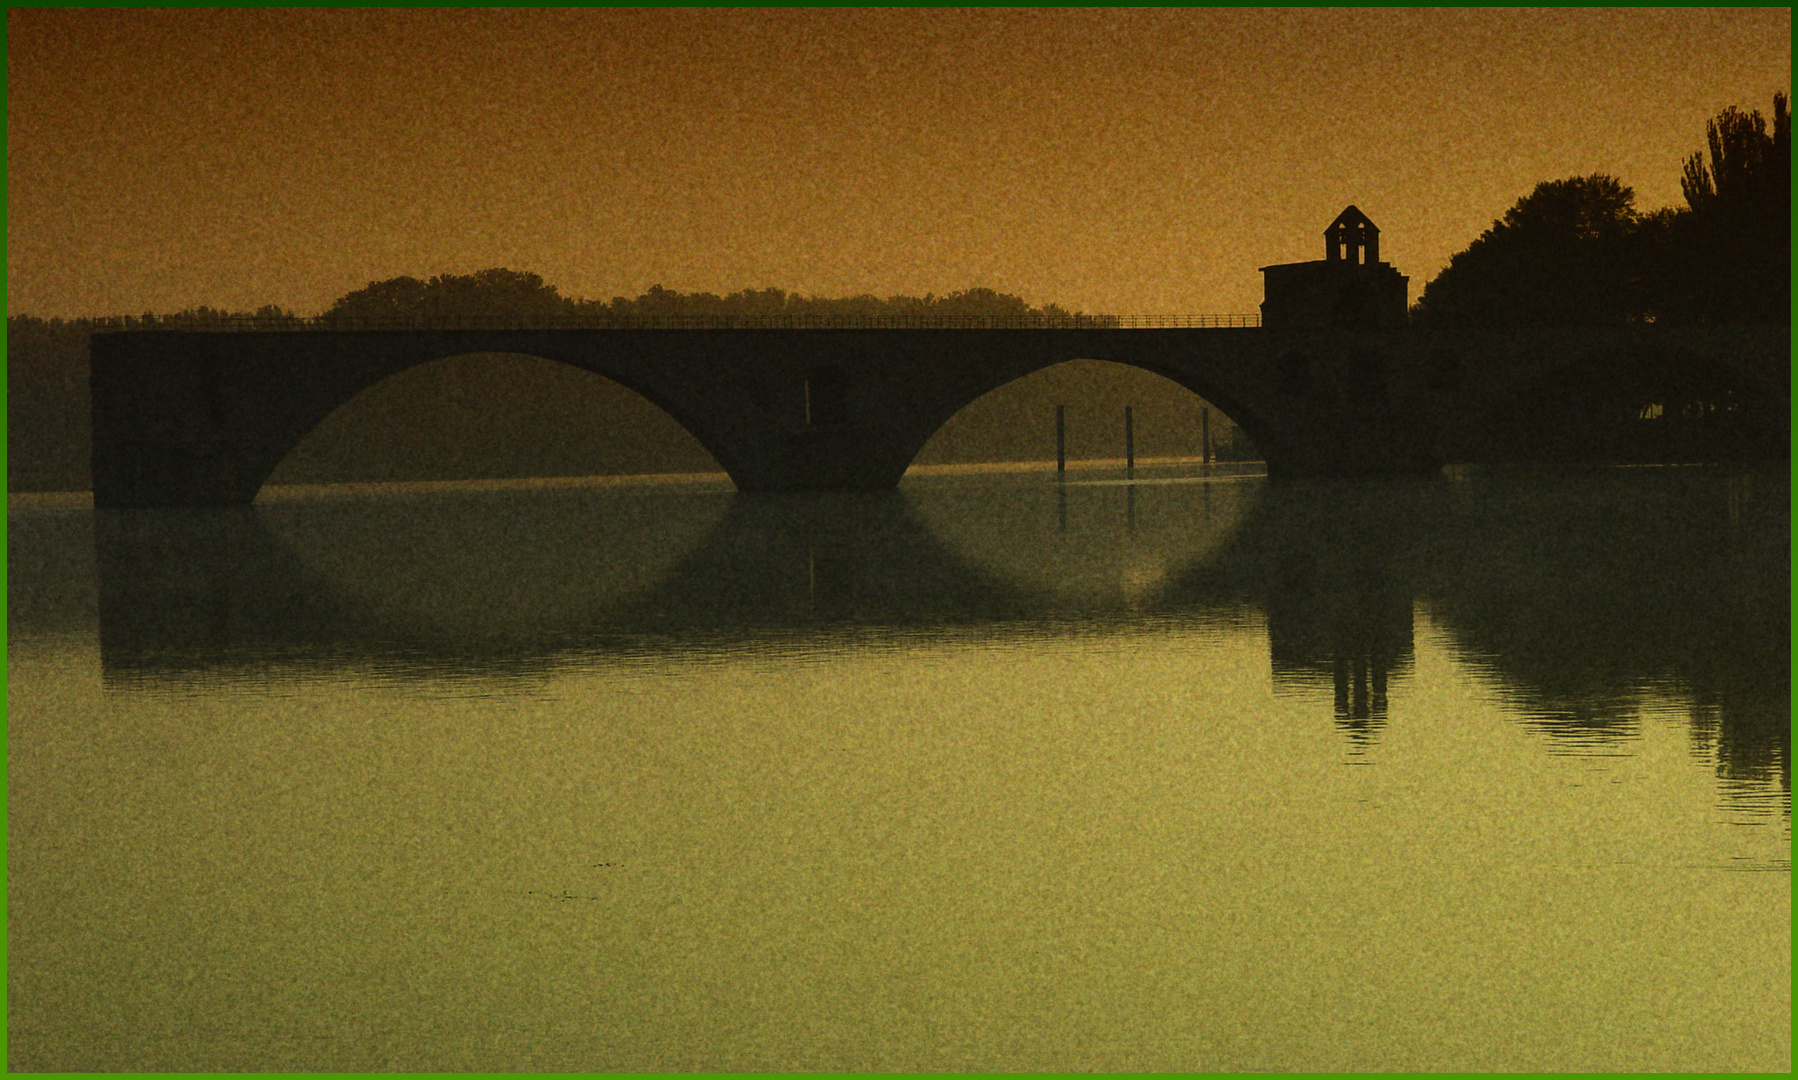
pixel 491 416
pixel 521 564
pixel 490 583
pixel 496 582
pixel 1103 546
pixel 822 560
pixel 481 581
pixel 1573 593
pixel 184 593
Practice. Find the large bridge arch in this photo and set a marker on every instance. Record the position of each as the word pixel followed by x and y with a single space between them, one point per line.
pixel 1151 388
pixel 203 418
pixel 902 387
pixel 479 415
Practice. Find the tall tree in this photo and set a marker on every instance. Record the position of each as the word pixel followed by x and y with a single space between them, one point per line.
pixel 1730 251
pixel 1559 256
pixel 1748 166
pixel 508 295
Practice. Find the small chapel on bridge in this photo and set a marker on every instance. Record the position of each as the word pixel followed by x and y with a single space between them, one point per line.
pixel 1348 289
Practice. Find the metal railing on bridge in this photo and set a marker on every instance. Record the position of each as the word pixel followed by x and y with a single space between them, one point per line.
pixel 244 324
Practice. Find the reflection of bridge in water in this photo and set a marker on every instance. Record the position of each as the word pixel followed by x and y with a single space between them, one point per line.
pixel 1575 596
pixel 516 580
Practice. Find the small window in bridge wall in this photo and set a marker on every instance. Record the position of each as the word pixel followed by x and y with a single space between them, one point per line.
pixel 826 396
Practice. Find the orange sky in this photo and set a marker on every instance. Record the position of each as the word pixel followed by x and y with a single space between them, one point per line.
pixel 1129 161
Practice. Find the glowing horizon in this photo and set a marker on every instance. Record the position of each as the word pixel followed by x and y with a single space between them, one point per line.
pixel 1139 161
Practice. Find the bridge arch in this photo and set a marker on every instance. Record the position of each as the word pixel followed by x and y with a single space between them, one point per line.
pixel 1016 417
pixel 488 415
pixel 206 418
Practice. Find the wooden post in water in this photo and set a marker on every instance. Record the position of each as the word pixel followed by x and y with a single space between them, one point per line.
pixel 1061 440
pixel 1129 440
pixel 1205 434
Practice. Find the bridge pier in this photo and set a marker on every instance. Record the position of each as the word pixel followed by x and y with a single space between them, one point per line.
pixel 834 457
pixel 163 434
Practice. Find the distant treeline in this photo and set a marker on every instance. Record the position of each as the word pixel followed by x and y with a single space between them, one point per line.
pixel 1578 252
pixel 515 297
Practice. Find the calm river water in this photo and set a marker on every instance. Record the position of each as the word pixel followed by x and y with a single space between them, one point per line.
pixel 1197 772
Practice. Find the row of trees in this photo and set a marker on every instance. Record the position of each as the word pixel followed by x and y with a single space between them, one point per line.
pixel 1578 251
pixel 525 297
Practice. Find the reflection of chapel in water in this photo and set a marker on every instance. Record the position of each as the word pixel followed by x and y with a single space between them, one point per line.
pixel 1358 640
pixel 1339 611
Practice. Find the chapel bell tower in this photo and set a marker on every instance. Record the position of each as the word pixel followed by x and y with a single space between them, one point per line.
pixel 1351 236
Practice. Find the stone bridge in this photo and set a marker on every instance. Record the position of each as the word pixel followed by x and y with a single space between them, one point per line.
pixel 203 418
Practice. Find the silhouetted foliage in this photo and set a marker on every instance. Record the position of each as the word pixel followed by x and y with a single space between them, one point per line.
pixel 1642 406
pixel 776 307
pixel 269 316
pixel 1748 167
pixel 515 297
pixel 1558 257
pixel 1577 252
pixel 510 295
pixel 1729 253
